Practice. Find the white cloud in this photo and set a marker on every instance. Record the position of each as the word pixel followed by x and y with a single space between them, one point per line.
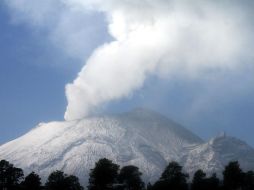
pixel 73 30
pixel 163 38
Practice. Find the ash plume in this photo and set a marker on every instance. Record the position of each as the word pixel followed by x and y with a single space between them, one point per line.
pixel 163 38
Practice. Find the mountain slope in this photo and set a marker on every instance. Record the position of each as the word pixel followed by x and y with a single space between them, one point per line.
pixel 143 138
pixel 219 151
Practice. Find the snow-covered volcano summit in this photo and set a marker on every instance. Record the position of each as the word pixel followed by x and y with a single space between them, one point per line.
pixel 143 138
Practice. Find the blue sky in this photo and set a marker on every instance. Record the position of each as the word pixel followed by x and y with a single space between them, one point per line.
pixel 34 71
pixel 32 80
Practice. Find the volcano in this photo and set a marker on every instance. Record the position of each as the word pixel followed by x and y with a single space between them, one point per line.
pixel 142 137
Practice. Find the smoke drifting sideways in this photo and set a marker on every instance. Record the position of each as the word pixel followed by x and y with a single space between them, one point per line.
pixel 163 38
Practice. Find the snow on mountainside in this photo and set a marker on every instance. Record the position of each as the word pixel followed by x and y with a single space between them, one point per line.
pixel 219 151
pixel 143 138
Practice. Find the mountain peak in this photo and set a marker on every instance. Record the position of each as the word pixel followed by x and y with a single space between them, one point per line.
pixel 143 110
pixel 141 137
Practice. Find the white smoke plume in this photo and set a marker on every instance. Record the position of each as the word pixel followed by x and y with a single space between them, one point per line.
pixel 154 37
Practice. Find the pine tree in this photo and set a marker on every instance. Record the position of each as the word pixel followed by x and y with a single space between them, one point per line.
pixel 213 182
pixel 58 180
pixel 130 177
pixel 149 186
pixel 103 176
pixel 172 178
pixel 199 181
pixel 232 176
pixel 32 182
pixel 248 182
pixel 10 176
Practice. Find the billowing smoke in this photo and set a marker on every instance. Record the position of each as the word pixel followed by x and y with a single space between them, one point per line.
pixel 155 38
pixel 165 38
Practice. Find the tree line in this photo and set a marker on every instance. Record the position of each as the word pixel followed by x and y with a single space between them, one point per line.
pixel 107 175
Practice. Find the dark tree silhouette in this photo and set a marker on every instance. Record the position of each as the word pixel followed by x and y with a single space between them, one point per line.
pixel 103 176
pixel 212 183
pixel 60 181
pixel 199 181
pixel 130 178
pixel 73 183
pixel 232 176
pixel 31 182
pixel 248 181
pixel 9 176
pixel 56 181
pixel 149 186
pixel 172 178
